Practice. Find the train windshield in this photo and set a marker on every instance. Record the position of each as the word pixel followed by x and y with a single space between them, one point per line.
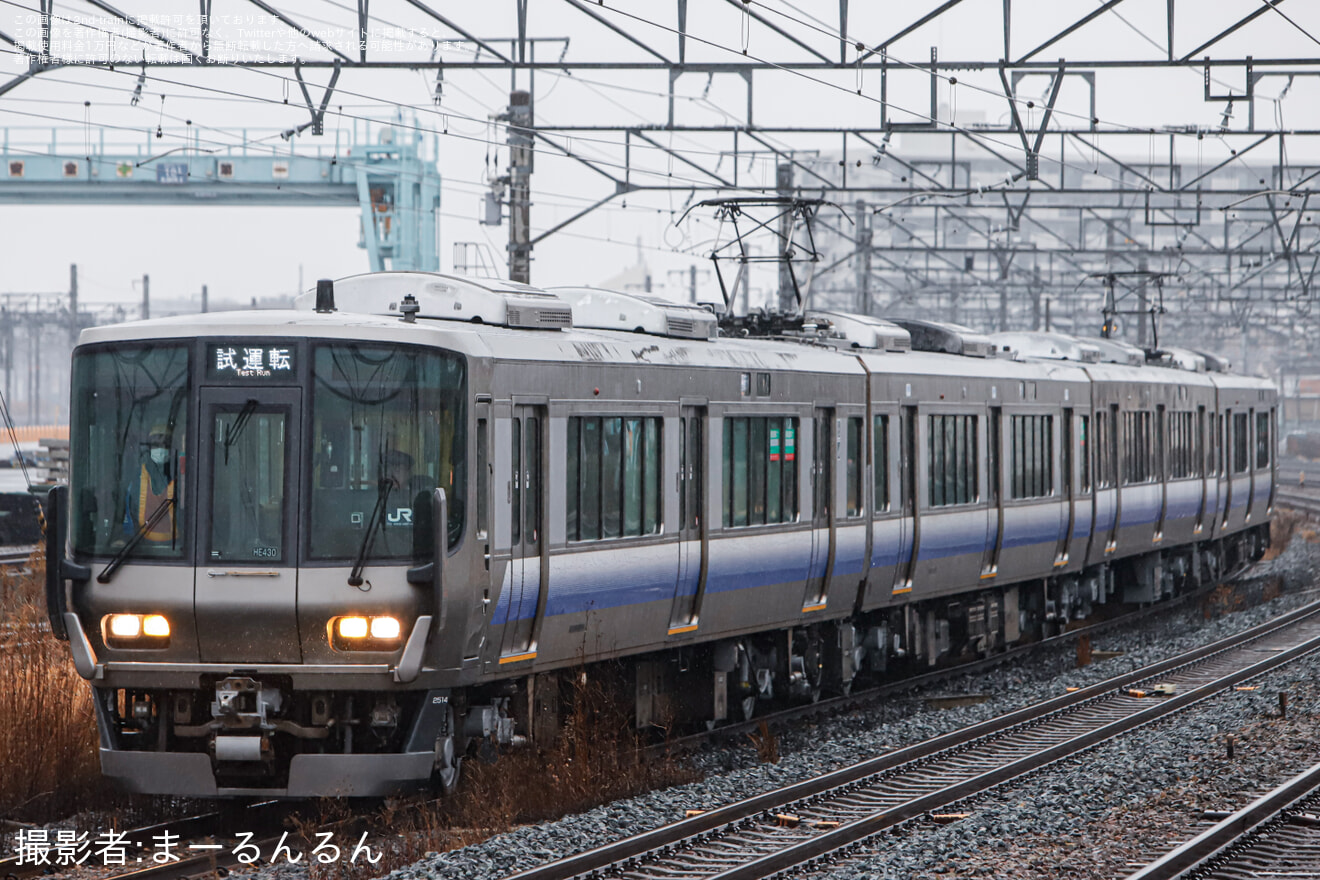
pixel 388 427
pixel 129 446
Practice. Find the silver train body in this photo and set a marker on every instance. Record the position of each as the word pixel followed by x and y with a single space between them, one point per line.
pixel 728 520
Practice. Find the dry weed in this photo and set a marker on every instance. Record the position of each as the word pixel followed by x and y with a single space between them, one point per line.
pixel 766 744
pixel 48 742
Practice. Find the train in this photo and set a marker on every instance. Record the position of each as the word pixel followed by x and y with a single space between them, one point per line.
pixel 333 550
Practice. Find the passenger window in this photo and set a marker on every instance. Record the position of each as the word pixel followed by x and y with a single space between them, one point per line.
pixel 1262 440
pixel 951 445
pixel 855 468
pixel 1084 452
pixel 1032 456
pixel 760 471
pixel 1137 445
pixel 1240 453
pixel 483 480
pixel 880 462
pixel 613 477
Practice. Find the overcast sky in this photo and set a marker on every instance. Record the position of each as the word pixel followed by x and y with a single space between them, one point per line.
pixel 245 252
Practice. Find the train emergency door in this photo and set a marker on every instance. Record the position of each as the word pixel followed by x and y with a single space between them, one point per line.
pixel 523 518
pixel 246 590
pixel 824 453
pixel 692 548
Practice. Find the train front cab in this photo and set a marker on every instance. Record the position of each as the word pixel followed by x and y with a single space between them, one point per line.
pixel 252 589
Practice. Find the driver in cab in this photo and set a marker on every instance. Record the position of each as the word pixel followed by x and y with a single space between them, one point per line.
pixel 151 488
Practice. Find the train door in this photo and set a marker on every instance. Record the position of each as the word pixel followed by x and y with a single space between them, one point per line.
pixel 526 598
pixel 246 589
pixel 1249 435
pixel 1161 467
pixel 1068 514
pixel 1116 472
pixel 691 519
pixel 1203 468
pixel 910 533
pixel 824 452
pixel 994 532
pixel 1227 451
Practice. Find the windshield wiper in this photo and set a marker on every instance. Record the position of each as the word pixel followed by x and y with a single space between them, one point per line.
pixel 240 422
pixel 120 557
pixel 377 515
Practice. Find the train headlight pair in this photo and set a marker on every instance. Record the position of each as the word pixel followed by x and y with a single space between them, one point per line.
pixel 366 633
pixel 136 630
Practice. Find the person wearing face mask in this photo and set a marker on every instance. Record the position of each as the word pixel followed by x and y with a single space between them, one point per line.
pixel 153 487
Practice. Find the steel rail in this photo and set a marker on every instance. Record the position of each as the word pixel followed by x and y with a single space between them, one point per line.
pixel 706 826
pixel 1244 827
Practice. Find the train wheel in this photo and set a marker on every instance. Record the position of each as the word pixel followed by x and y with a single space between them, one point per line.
pixel 448 762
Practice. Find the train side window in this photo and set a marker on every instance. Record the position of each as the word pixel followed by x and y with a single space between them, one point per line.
pixel 483 480
pixel 1262 440
pixel 1138 443
pixel 1032 456
pixel 760 471
pixel 952 449
pixel 1241 456
pixel 1084 453
pixel 613 476
pixel 515 491
pixel 880 462
pixel 855 470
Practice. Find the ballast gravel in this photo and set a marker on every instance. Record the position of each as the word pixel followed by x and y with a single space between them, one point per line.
pixel 1119 804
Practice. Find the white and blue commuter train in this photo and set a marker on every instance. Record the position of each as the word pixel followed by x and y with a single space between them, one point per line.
pixel 326 551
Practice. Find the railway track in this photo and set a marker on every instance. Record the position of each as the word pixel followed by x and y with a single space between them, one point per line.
pixel 802 824
pixel 1276 835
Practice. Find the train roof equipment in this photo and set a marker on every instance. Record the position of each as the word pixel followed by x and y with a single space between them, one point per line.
pixel 1051 346
pixel 864 331
pixel 947 338
pixel 1113 351
pixel 603 309
pixel 447 298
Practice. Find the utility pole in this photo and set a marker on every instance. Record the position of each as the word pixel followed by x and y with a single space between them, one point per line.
pixel 692 283
pixel 204 304
pixel 1141 304
pixel 863 259
pixel 146 297
pixel 784 186
pixel 73 303
pixel 520 186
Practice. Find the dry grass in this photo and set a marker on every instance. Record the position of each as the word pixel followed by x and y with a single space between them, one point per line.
pixel 597 759
pixel 48 757
pixel 1287 524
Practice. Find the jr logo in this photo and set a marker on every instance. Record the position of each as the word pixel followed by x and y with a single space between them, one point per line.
pixel 400 517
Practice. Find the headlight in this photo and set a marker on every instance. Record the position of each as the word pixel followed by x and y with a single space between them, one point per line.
pixel 353 627
pixel 357 633
pixel 136 630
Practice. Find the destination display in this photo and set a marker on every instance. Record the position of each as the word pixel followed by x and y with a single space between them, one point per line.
pixel 255 360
